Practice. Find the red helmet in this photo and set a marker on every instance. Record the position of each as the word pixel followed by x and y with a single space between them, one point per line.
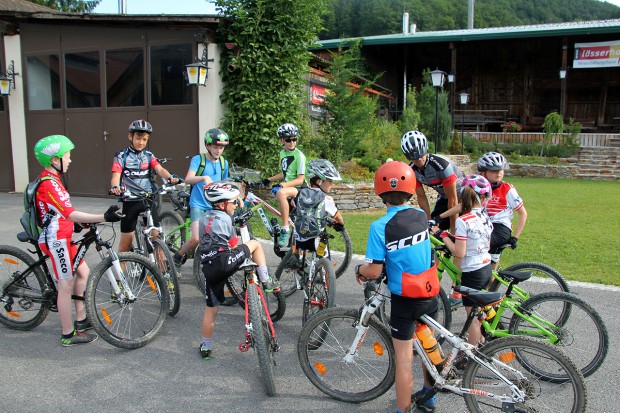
pixel 394 176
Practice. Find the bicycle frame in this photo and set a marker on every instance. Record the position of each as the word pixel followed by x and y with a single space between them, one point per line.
pixel 252 278
pixel 257 207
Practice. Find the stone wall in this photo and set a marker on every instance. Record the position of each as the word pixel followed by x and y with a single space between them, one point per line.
pixel 543 171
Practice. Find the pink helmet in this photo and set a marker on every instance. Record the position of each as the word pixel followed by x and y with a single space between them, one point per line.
pixel 479 184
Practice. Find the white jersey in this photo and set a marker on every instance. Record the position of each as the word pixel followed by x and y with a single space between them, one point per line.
pixel 475 228
pixel 504 200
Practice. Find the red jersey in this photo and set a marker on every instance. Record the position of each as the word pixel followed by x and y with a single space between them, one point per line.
pixel 504 200
pixel 52 196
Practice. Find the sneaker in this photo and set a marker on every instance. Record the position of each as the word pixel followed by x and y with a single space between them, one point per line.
pixel 271 286
pixel 78 338
pixel 427 406
pixel 284 238
pixel 205 353
pixel 455 303
pixel 82 326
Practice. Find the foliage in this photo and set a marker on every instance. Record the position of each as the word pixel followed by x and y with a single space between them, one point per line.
pixel 352 170
pixel 553 125
pixel 382 142
pixel 428 102
pixel 411 117
pixel 74 6
pixel 270 58
pixel 456 148
pixel 511 126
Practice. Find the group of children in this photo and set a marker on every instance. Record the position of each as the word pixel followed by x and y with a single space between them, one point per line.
pixel 480 208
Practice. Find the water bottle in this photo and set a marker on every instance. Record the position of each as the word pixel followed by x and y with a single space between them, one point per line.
pixel 320 251
pixel 455 295
pixel 489 311
pixel 430 344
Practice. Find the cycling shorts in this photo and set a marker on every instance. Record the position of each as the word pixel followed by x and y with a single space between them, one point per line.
pixel 500 236
pixel 131 210
pixel 405 312
pixel 478 279
pixel 216 271
pixel 441 205
pixel 62 254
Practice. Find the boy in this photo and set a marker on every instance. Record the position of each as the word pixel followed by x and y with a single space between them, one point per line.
pixel 293 165
pixel 201 172
pixel 54 154
pixel 221 256
pixel 400 239
pixel 132 169
pixel 500 207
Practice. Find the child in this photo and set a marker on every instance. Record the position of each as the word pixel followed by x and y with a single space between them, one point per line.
pixel 221 256
pixel 203 170
pixel 132 169
pixel 293 165
pixel 401 240
pixel 54 154
pixel 472 241
pixel 500 207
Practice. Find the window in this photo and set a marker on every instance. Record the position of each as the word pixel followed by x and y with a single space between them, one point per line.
pixel 124 77
pixel 168 86
pixel 82 80
pixel 43 82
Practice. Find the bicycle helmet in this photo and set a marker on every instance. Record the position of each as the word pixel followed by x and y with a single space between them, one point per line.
pixel 492 161
pixel 478 183
pixel 50 146
pixel 395 176
pixel 414 145
pixel 216 136
pixel 140 125
pixel 287 130
pixel 218 192
pixel 324 169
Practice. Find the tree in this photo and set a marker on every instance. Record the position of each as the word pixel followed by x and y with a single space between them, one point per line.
pixel 269 61
pixel 411 116
pixel 73 6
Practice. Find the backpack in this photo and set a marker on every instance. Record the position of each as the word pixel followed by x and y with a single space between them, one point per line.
pixel 30 219
pixel 310 216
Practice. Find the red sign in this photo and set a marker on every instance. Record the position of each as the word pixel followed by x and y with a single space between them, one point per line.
pixel 602 54
pixel 318 94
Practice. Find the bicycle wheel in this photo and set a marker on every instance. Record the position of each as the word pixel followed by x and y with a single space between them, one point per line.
pixel 174 229
pixel 339 250
pixel 544 279
pixel 540 395
pixel 22 306
pixel 119 320
pixel 261 339
pixel 366 375
pixel 197 271
pixel 321 291
pixel 276 302
pixel 286 273
pixel 578 326
pixel 165 263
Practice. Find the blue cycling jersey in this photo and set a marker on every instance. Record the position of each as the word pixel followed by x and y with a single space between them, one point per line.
pixel 214 171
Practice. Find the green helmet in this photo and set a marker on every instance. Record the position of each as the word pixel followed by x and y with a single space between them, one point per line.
pixel 216 136
pixel 48 147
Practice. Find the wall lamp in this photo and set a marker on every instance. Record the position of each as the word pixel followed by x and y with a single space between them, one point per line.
pixel 197 73
pixel 563 72
pixel 7 79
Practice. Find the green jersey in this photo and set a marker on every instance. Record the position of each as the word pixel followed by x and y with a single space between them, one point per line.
pixel 293 163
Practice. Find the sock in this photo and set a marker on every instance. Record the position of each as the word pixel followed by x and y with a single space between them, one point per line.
pixel 284 228
pixel 82 321
pixel 207 342
pixel 71 334
pixel 262 273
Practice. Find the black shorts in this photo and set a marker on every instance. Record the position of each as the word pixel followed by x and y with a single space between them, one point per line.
pixel 441 205
pixel 405 312
pixel 500 236
pixel 131 210
pixel 217 270
pixel 478 279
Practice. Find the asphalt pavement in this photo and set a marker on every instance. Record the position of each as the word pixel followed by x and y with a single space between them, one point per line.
pixel 168 374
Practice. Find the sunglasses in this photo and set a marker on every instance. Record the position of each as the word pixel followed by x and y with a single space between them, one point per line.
pixel 288 140
pixel 236 202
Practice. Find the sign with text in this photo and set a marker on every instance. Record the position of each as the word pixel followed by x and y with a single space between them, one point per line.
pixel 602 54
pixel 318 95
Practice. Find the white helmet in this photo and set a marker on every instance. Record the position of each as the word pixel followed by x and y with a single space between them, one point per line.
pixel 288 130
pixel 492 161
pixel 324 169
pixel 218 192
pixel 414 145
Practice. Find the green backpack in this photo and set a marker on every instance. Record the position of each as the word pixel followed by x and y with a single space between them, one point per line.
pixel 30 219
pixel 203 163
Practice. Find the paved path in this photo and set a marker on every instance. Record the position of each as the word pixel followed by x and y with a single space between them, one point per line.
pixel 168 375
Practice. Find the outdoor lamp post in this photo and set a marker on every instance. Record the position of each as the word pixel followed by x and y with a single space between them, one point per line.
pixel 464 98
pixel 437 78
pixel 563 72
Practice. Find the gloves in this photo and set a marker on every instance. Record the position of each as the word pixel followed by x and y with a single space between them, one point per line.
pixel 513 242
pixel 173 177
pixel 265 182
pixel 338 227
pixel 275 189
pixel 437 220
pixel 77 227
pixel 113 214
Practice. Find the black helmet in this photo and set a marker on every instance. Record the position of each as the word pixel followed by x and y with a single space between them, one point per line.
pixel 140 125
pixel 216 136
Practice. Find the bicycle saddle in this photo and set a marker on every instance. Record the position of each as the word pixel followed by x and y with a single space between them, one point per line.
pixel 481 298
pixel 248 263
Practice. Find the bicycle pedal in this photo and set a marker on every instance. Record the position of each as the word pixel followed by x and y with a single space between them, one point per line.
pixel 244 347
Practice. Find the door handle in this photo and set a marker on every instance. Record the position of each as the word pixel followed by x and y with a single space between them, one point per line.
pixel 105 135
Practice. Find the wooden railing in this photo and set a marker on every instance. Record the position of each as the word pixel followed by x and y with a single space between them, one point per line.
pixel 585 139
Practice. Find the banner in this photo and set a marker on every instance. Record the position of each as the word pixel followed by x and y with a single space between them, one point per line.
pixel 318 95
pixel 602 54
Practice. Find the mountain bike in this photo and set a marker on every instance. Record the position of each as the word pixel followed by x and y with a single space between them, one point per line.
pixel 149 241
pixel 347 353
pixel 175 227
pixel 126 297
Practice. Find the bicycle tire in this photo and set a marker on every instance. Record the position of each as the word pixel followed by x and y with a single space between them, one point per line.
pixel 174 229
pixel 321 291
pixel 578 325
pixel 169 272
pixel 340 259
pixel 125 324
pixel 541 396
pixel 367 376
pixel 276 302
pixel 29 310
pixel 197 271
pixel 261 339
pixel 544 279
pixel 286 273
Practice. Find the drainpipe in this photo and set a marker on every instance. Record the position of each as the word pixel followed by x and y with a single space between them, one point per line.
pixel 122 6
